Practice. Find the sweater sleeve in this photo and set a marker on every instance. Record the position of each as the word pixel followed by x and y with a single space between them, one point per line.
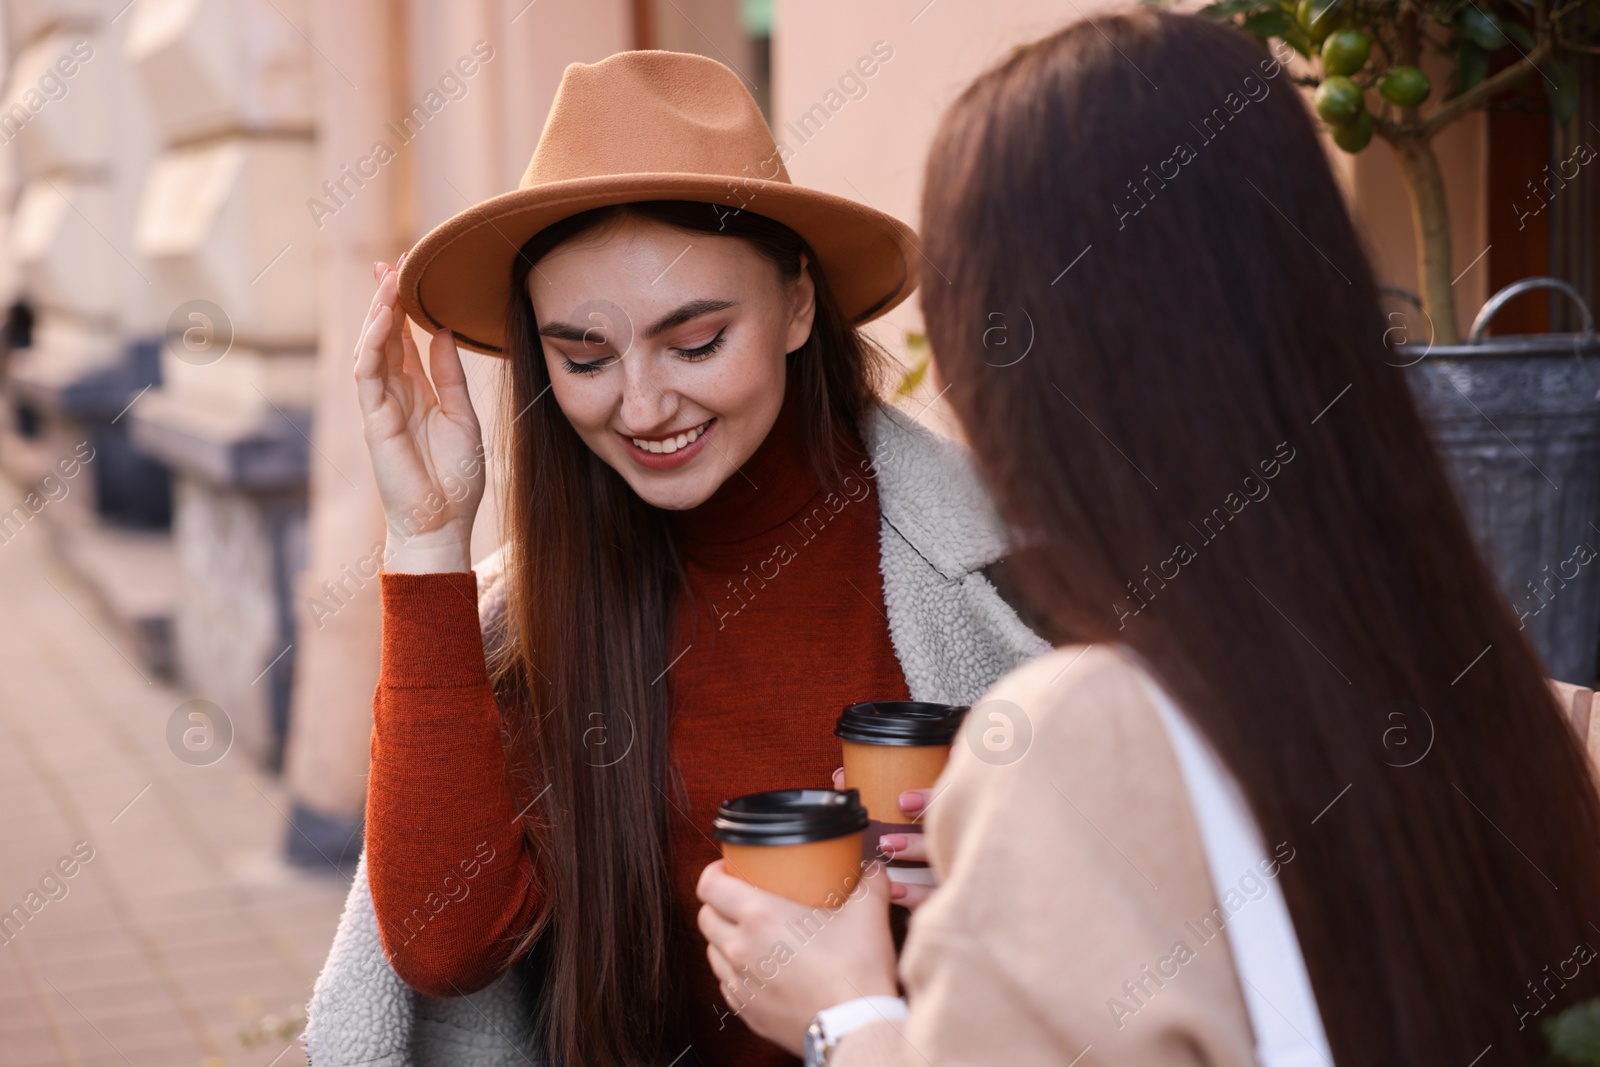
pixel 1075 920
pixel 452 880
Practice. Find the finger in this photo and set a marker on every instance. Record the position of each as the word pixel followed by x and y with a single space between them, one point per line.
pixel 381 270
pixel 875 876
pixel 716 929
pixel 730 895
pixel 911 895
pixel 408 347
pixel 449 376
pixel 372 310
pixel 380 299
pixel 370 335
pixel 913 802
pixel 366 333
pixel 904 846
pixel 727 974
pixel 395 346
pixel 371 360
pixel 838 778
pixel 387 295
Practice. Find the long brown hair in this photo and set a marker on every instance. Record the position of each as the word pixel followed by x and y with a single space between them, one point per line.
pixel 1213 463
pixel 593 573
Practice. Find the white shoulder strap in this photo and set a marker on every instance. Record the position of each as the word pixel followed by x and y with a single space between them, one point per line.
pixel 1272 971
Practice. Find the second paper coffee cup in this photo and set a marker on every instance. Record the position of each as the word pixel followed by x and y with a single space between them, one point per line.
pixel 803 844
pixel 891 746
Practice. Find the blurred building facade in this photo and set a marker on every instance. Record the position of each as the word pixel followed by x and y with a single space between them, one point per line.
pixel 193 192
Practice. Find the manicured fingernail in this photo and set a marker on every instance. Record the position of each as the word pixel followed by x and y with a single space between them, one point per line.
pixel 892 842
pixel 912 799
pixel 377 269
pixel 402 258
pixel 896 891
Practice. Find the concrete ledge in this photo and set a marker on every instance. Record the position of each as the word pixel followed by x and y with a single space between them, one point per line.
pixel 134 576
pixel 67 389
pixel 259 451
pixel 317 841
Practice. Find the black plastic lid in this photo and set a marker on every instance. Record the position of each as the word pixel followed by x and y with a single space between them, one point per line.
pixel 900 722
pixel 789 817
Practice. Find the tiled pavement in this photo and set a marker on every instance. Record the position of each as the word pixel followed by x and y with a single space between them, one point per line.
pixel 183 940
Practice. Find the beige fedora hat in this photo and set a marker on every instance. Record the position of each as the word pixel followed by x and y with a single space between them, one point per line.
pixel 648 126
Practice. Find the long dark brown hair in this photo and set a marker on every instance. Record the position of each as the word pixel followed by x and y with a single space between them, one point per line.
pixel 1212 462
pixel 593 573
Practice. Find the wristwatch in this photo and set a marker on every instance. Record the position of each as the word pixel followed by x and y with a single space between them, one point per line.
pixel 832 1024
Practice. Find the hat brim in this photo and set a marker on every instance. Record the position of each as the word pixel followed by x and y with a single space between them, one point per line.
pixel 458 277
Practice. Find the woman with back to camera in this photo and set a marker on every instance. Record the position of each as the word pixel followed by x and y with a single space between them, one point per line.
pixel 717 536
pixel 1245 544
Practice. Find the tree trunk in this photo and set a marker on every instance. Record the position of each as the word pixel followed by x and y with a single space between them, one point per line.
pixel 1430 216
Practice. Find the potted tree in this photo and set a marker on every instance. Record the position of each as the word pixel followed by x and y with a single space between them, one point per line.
pixel 1368 54
pixel 1517 417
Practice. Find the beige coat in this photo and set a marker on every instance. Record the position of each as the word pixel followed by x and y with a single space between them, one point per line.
pixel 1076 922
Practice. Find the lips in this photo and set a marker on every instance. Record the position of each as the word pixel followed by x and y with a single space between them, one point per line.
pixel 669 445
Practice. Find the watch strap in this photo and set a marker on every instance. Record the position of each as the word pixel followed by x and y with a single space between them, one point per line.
pixel 832 1024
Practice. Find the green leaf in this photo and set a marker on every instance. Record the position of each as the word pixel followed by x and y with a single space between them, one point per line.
pixel 1297 39
pixel 1472 66
pixel 1520 34
pixel 1480 27
pixel 1265 24
pixel 1223 10
pixel 1561 87
pixel 913 377
pixel 1574 1035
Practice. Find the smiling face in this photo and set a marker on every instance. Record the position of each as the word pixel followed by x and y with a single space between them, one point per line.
pixel 666 350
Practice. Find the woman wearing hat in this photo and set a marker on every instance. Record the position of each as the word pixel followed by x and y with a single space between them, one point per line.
pixel 716 536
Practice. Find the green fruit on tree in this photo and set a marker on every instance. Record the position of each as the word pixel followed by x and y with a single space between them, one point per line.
pixel 1406 86
pixel 1345 51
pixel 1318 18
pixel 1338 100
pixel 1353 136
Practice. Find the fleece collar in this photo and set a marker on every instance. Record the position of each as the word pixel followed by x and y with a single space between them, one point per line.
pixel 929 494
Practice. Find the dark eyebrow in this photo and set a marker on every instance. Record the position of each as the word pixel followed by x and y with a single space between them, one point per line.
pixel 692 310
pixel 566 331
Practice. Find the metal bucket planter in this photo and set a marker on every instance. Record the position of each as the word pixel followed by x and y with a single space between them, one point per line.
pixel 1518 420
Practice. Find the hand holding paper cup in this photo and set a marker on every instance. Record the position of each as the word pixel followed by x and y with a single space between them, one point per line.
pixel 803 844
pixel 891 746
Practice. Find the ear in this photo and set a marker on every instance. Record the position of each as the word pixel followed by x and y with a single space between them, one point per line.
pixel 802 307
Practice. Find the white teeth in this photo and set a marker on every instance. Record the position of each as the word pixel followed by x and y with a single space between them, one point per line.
pixel 671 444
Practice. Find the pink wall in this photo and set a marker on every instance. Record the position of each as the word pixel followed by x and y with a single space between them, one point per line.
pixel 873 147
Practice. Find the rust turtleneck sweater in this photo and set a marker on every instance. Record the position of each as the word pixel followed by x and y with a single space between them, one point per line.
pixel 780 623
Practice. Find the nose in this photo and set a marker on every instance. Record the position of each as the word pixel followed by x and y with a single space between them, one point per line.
pixel 647 404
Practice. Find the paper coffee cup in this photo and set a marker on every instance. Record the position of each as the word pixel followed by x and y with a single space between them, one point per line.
pixel 891 746
pixel 803 844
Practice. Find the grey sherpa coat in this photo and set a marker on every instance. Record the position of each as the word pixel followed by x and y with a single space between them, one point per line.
pixel 952 632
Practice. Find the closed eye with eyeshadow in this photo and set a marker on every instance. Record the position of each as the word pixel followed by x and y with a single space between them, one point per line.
pixel 690 355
